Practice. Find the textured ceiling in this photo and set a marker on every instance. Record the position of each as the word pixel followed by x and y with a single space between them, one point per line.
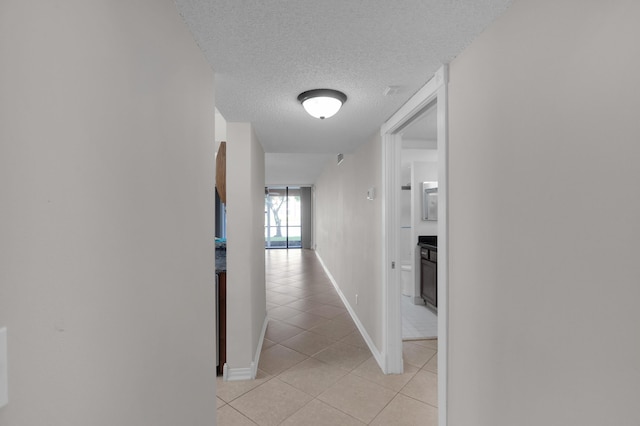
pixel 264 53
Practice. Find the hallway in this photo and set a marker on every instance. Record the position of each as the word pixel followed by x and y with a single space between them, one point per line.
pixel 316 369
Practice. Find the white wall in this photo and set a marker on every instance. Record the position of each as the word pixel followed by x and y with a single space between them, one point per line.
pixel 221 129
pixel 409 155
pixel 246 292
pixel 348 231
pixel 544 208
pixel 106 218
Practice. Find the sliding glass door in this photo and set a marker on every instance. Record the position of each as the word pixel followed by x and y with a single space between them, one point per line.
pixel 283 217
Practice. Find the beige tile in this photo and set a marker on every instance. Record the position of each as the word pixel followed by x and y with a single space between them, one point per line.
pixel 336 302
pixel 429 343
pixel 228 391
pixel 279 288
pixel 308 343
pixel 371 371
pixel 279 298
pixel 423 387
pixel 306 320
pixel 327 311
pixel 416 355
pixel 317 413
pixel 357 397
pixel 273 282
pixel 271 305
pixel 270 293
pixel 319 289
pixel 320 279
pixel 277 331
pixel 229 416
pixel 271 403
pixel 315 272
pixel 312 376
pixel 285 280
pixel 432 364
pixel 266 343
pixel 219 402
pixel 405 411
pixel 326 298
pixel 295 275
pixel 334 329
pixel 289 290
pixel 278 358
pixel 303 305
pixel 343 355
pixel 282 312
pixel 300 283
pixel 355 339
pixel 300 292
pixel 344 317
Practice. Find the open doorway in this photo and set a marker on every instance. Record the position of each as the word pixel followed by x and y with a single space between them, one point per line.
pixel 288 217
pixel 283 217
pixel 432 97
pixel 418 273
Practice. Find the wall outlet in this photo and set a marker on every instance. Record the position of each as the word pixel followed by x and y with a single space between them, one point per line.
pixel 356 298
pixel 371 194
pixel 4 371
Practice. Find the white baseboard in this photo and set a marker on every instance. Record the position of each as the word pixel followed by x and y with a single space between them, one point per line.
pixel 379 356
pixel 238 373
pixel 246 373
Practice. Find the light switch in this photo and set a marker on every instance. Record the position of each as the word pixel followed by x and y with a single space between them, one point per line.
pixel 4 392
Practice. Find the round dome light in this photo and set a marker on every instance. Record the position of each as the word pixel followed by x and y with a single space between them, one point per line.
pixel 322 103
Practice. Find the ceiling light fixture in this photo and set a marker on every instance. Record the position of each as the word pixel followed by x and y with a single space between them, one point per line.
pixel 322 103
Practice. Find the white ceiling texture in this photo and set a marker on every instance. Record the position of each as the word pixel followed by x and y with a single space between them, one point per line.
pixel 379 53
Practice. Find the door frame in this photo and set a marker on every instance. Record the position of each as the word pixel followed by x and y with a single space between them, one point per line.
pixel 433 92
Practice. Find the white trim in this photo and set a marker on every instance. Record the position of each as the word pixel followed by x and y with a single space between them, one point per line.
pixel 391 302
pixel 313 217
pixel 235 374
pixel 443 248
pixel 421 99
pixel 434 91
pixel 372 347
pixel 246 373
pixel 256 360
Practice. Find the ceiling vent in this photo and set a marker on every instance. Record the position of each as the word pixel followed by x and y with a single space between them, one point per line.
pixel 391 90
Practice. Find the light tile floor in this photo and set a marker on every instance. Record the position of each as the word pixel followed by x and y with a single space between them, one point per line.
pixel 316 369
pixel 418 321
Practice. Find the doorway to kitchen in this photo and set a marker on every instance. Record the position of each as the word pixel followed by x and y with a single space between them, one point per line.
pixel 432 95
pixel 419 167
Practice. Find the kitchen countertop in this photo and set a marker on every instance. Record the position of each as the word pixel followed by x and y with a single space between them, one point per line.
pixel 428 241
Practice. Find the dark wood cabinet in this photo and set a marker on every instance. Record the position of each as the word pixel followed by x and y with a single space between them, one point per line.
pixel 429 275
pixel 222 320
